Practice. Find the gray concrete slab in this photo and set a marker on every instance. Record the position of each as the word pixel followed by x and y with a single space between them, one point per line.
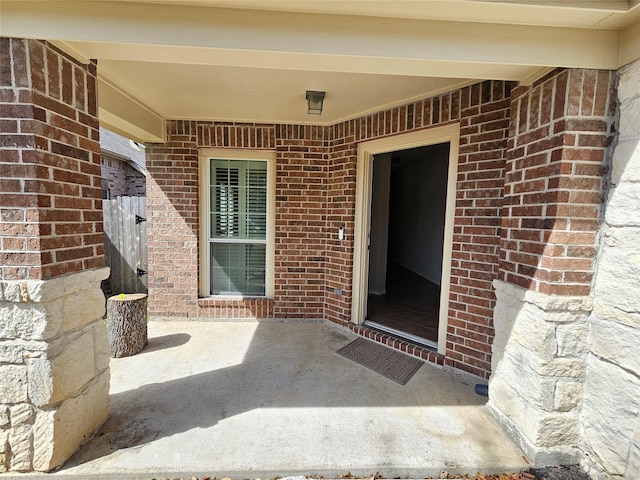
pixel 249 400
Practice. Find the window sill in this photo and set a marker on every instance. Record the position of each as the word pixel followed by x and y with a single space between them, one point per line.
pixel 236 307
pixel 231 298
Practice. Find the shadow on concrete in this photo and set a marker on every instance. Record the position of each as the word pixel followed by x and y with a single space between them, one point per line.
pixel 165 342
pixel 238 387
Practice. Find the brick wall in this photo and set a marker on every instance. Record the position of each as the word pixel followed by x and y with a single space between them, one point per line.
pixel 341 206
pixel 172 213
pixel 136 182
pixel 119 178
pixel 315 195
pixel 301 221
pixel 560 132
pixel 50 186
pixel 484 111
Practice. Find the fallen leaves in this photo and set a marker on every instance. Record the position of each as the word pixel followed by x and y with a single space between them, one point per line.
pixel 443 476
pixel 498 476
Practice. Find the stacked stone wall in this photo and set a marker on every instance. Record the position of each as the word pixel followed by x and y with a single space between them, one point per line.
pixel 610 415
pixel 54 368
pixel 538 370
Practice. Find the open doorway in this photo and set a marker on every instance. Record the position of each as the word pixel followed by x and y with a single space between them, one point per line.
pixel 407 225
pixel 448 135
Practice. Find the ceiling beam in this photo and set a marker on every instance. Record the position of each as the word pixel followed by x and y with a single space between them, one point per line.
pixel 630 44
pixel 391 44
pixel 125 115
pixel 295 61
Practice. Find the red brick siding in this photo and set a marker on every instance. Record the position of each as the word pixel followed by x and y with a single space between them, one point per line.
pixel 484 111
pixel 50 195
pixel 392 342
pixel 119 178
pixel 172 213
pixel 561 128
pixel 341 202
pixel 301 221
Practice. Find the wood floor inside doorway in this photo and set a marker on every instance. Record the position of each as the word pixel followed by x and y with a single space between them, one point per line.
pixel 411 304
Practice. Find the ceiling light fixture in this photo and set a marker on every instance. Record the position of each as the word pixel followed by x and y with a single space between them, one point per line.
pixel 314 102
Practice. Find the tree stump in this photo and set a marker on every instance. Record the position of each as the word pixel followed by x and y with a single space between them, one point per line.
pixel 127 324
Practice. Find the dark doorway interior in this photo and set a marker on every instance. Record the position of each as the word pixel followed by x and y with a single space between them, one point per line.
pixel 407 235
pixel 410 304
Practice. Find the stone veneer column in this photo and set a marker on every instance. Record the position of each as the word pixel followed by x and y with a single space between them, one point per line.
pixel 54 361
pixel 538 370
pixel 610 413
pixel 560 131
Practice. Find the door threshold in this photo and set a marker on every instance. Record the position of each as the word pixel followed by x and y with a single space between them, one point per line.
pixel 404 335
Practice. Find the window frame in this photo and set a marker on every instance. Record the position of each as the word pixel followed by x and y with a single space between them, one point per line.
pixel 205 156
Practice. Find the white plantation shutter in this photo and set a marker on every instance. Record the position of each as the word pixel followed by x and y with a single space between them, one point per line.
pixel 225 192
pixel 256 201
pixel 238 233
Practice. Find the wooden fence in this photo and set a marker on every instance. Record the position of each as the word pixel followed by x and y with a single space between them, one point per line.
pixel 125 242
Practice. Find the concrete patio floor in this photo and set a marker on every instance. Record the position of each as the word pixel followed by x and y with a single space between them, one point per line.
pixel 249 400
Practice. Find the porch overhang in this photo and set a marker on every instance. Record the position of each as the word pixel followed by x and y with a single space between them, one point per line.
pixel 196 60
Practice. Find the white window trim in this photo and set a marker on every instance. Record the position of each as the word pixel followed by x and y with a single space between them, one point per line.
pixel 204 155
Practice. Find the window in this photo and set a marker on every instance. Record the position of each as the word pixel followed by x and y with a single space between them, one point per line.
pixel 237 247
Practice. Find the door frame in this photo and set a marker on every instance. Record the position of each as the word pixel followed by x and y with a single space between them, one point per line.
pixel 364 173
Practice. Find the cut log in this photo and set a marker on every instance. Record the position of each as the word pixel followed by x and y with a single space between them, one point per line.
pixel 127 324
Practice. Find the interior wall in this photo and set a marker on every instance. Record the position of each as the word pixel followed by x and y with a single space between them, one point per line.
pixel 417 209
pixel 379 233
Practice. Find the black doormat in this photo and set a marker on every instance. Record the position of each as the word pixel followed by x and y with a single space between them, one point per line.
pixel 394 365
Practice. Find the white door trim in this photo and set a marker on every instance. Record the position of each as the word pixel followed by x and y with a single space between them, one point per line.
pixel 366 151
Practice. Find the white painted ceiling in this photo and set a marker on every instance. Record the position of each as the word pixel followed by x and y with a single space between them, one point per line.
pixel 237 60
pixel 264 95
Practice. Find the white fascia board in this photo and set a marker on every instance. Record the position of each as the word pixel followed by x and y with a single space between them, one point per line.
pixel 127 116
pixel 604 5
pixel 317 35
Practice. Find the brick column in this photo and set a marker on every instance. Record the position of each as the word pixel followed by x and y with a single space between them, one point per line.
pixel 172 232
pixel 54 375
pixel 560 132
